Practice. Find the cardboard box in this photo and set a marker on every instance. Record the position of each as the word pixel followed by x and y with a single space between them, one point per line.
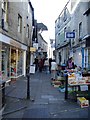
pixel 83 102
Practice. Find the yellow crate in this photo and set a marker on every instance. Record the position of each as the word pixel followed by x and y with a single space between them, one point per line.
pixel 83 102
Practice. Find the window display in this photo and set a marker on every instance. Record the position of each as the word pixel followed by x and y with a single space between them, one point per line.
pixel 5 62
pixel 13 63
pixel 20 63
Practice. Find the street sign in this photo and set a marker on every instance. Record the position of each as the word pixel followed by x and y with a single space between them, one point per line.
pixel 70 34
pixel 35 45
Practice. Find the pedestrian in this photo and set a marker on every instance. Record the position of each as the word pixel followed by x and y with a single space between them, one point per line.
pixel 46 65
pixel 40 65
pixel 36 63
pixel 53 69
pixel 50 60
pixel 70 64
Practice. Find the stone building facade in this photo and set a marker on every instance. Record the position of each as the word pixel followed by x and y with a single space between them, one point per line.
pixel 78 24
pixel 16 29
pixel 62 25
pixel 42 46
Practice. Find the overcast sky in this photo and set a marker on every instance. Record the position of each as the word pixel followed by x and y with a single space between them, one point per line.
pixel 47 11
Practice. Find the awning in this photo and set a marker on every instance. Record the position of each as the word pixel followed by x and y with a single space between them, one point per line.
pixel 86 36
pixel 63 45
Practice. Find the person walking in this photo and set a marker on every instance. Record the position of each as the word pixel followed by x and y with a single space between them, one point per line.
pixel 40 65
pixel 50 60
pixel 53 69
pixel 46 64
pixel 36 63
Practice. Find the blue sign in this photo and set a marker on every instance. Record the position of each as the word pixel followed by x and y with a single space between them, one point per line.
pixel 70 34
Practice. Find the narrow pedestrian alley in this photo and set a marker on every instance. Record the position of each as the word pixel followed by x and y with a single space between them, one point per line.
pixel 48 101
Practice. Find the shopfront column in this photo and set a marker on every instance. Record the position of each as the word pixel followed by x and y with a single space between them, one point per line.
pixel 24 63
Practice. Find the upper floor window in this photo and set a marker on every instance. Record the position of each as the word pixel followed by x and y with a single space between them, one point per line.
pixel 80 29
pixel 28 8
pixel 27 31
pixel 65 14
pixel 65 33
pixel 4 10
pixel 19 23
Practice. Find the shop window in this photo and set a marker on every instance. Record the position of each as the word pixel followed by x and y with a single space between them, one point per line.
pixel 13 63
pixel 19 23
pixel 20 63
pixel 5 63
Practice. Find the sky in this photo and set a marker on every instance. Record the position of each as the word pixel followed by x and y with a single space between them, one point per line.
pixel 47 11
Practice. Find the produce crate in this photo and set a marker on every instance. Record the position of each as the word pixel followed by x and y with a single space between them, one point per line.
pixel 83 102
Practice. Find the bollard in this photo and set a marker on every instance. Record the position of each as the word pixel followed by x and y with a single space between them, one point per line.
pixel 66 86
pixel 3 93
pixel 28 86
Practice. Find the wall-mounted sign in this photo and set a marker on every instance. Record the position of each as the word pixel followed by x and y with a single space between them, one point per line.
pixel 35 45
pixel 70 34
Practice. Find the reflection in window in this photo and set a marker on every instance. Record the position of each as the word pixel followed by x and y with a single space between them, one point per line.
pixel 5 65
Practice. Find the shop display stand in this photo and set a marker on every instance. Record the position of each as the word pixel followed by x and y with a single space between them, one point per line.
pixel 77 93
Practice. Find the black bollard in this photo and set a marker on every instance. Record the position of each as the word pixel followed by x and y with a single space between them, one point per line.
pixel 28 86
pixel 66 86
pixel 3 94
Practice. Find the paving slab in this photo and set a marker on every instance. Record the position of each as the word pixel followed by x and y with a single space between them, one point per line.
pixel 48 101
pixel 36 113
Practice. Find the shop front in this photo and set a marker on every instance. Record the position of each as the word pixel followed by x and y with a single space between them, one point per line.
pixel 12 59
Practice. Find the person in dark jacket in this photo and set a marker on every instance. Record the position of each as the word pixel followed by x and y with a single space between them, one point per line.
pixel 40 64
pixel 36 63
pixel 50 60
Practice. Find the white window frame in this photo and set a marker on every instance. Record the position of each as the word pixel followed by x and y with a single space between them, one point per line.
pixel 80 29
pixel 4 10
pixel 28 8
pixel 27 31
pixel 19 23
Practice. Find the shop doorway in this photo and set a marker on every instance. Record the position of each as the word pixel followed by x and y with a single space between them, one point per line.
pixel 5 64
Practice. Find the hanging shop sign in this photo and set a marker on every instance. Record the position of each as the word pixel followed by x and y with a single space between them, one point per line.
pixel 32 49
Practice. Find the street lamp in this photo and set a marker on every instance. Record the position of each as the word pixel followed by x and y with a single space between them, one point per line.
pixel 28 86
pixel 28 74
